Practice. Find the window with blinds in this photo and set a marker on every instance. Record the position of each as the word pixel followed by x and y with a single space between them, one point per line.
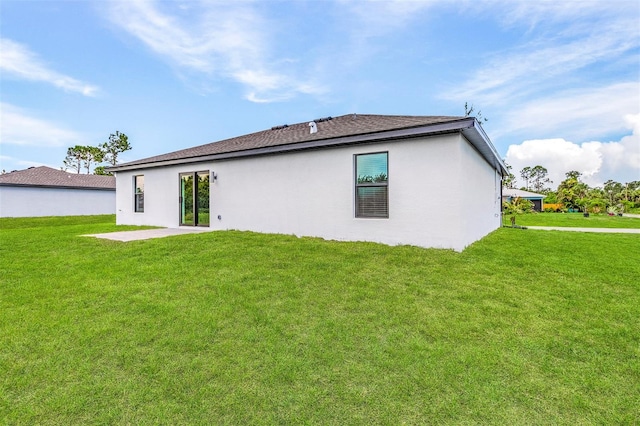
pixel 372 190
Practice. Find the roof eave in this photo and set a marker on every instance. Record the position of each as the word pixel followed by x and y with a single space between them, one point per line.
pixel 479 139
pixel 29 185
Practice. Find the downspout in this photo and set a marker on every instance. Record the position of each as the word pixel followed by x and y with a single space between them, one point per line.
pixel 501 207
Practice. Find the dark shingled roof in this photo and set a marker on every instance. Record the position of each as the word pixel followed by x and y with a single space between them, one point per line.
pixel 343 130
pixel 47 177
pixel 328 128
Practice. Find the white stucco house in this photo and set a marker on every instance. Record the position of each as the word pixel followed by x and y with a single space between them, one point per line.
pixel 43 191
pixel 426 181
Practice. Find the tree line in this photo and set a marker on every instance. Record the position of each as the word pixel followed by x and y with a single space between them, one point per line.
pixel 535 179
pixel 613 197
pixel 81 157
pixel 573 193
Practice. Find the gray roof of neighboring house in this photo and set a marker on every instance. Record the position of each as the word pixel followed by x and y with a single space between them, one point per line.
pixel 512 192
pixel 46 177
pixel 332 131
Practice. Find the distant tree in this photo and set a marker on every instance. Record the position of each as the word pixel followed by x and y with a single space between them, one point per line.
pixel 539 179
pixel 74 158
pixel 509 181
pixel 632 191
pixel 92 155
pixel 117 144
pixel 571 192
pixel 80 156
pixel 99 170
pixel 551 197
pixel 568 189
pixel 627 191
pixel 612 197
pixel 613 190
pixel 574 174
pixel 525 174
pixel 535 179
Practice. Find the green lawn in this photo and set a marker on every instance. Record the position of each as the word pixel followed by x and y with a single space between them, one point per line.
pixel 523 327
pixel 573 220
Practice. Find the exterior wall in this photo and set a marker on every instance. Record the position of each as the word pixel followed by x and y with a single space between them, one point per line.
pixel 161 192
pixel 480 193
pixel 537 204
pixel 312 193
pixel 34 202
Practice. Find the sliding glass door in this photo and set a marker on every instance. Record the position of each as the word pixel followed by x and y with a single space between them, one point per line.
pixel 194 199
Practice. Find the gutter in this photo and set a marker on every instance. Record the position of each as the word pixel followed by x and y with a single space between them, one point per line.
pixel 27 185
pixel 477 136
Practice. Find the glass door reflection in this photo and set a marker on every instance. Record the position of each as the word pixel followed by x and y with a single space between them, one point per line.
pixel 194 199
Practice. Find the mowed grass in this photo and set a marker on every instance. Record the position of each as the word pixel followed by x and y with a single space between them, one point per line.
pixel 573 220
pixel 523 327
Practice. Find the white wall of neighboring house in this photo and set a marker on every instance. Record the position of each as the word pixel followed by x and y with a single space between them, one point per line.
pixel 442 194
pixel 24 201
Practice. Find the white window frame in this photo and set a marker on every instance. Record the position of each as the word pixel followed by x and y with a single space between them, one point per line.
pixel 138 196
pixel 358 211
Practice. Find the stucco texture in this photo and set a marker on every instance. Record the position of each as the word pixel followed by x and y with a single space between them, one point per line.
pixel 442 194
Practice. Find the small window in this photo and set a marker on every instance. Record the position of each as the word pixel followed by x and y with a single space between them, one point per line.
pixel 138 202
pixel 372 189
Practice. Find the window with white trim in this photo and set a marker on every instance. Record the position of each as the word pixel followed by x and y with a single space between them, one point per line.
pixel 372 185
pixel 138 197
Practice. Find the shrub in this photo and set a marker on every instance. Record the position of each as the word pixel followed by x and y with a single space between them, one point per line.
pixel 517 205
pixel 597 205
pixel 625 206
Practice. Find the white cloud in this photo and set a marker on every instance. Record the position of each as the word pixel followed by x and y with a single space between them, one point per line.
pixel 574 75
pixel 597 161
pixel 230 40
pixel 545 63
pixel 378 17
pixel 18 128
pixel 18 61
pixel 534 13
pixel 578 113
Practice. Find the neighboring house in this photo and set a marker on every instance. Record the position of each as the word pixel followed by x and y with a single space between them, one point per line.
pixel 415 180
pixel 43 191
pixel 537 199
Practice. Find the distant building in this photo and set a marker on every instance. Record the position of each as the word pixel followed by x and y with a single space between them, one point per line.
pixel 537 199
pixel 43 191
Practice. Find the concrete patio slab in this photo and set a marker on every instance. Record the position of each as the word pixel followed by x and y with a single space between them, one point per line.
pixel 146 234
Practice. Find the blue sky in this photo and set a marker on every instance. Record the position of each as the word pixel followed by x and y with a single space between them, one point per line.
pixel 559 81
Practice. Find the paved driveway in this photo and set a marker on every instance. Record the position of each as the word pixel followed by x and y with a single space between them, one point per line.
pixel 604 230
pixel 146 234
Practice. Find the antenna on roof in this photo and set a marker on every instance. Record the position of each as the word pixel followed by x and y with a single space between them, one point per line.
pixel 313 127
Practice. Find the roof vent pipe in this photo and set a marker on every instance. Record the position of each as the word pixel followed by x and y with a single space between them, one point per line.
pixel 313 127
